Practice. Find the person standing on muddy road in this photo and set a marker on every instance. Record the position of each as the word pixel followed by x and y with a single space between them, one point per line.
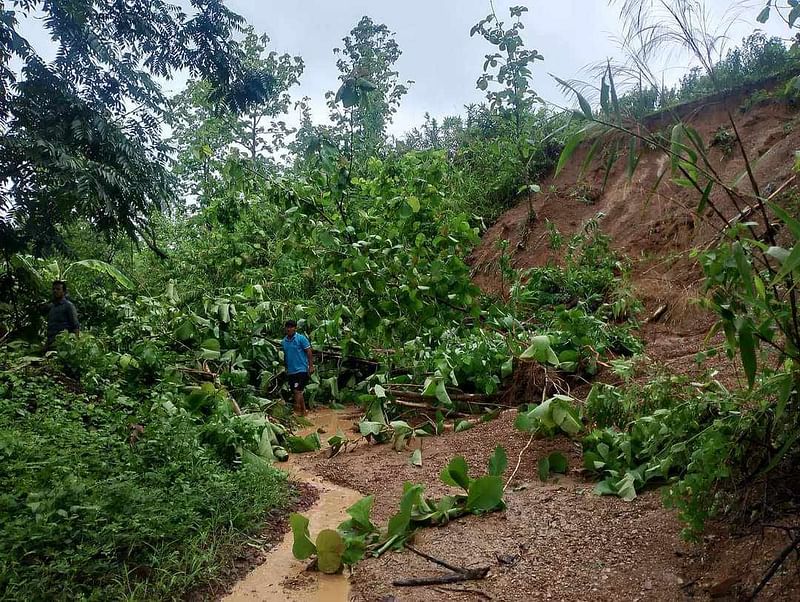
pixel 299 359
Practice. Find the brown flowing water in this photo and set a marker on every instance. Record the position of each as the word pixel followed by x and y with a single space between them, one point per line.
pixel 284 578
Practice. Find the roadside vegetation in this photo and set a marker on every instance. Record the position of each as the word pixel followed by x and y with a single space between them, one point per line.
pixel 139 455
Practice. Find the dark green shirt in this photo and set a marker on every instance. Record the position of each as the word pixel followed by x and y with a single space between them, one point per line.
pixel 62 316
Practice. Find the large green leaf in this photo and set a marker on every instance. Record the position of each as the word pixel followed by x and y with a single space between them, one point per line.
pixel 104 268
pixel 626 487
pixel 463 425
pixel 747 349
pixel 791 223
pixel 485 494
pixel 210 349
pixel 540 350
pixel 302 547
pixel 558 462
pixel 442 395
pixel 456 473
pixel 369 428
pixel 498 462
pixel 330 548
pixel 543 468
pixel 400 523
pixel 569 149
pixel 359 514
pixel 300 445
pixel 354 550
pixel 790 264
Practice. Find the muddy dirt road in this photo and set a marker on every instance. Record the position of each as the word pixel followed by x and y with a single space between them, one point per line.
pixel 556 540
pixel 284 578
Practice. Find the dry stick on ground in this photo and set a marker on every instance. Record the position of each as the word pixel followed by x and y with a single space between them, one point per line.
pixel 530 440
pixel 776 564
pixel 474 398
pixel 426 407
pixel 657 314
pixel 459 574
pixel 744 213
pixel 519 461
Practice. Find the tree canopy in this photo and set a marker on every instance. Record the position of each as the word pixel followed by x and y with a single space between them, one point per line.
pixel 82 133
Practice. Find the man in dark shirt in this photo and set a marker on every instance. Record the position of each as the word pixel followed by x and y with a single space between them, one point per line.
pixel 61 314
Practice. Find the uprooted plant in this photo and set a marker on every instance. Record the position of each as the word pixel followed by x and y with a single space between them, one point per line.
pixel 356 537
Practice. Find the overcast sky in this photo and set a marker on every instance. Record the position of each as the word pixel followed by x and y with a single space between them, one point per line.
pixel 438 53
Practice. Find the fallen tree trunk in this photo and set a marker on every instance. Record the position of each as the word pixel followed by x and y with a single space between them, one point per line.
pixel 475 398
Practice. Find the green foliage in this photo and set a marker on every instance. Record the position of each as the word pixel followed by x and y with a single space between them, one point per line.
pixel 102 510
pixel 206 135
pixel 553 416
pixel 610 406
pixel 724 139
pixel 74 151
pixel 556 462
pixel 301 445
pixel 755 59
pixel 369 95
pixel 514 99
pixel 358 536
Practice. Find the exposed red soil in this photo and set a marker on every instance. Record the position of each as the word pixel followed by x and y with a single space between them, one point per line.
pixel 654 229
pixel 556 540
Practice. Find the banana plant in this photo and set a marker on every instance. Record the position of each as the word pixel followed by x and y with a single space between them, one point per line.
pixel 44 272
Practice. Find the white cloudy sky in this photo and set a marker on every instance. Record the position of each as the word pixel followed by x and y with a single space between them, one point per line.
pixel 438 53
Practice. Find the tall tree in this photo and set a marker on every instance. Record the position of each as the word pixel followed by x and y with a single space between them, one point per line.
pixel 202 136
pixel 205 134
pixel 82 134
pixel 513 98
pixel 370 92
pixel 260 131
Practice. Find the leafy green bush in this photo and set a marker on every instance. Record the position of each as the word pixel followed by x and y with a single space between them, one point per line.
pixel 755 59
pixel 94 508
pixel 611 406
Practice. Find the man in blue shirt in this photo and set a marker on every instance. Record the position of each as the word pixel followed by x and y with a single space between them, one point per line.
pixel 299 359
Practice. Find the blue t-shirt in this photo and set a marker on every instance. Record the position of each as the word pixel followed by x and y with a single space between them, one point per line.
pixel 294 353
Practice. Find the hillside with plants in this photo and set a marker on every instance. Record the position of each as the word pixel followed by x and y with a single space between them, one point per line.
pixel 556 348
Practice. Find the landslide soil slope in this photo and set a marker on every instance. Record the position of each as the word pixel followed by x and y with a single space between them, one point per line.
pixel 558 541
pixel 655 227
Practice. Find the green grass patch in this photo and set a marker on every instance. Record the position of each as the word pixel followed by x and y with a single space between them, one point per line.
pixel 87 514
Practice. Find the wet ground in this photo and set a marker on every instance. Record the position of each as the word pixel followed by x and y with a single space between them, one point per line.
pixel 282 577
pixel 556 540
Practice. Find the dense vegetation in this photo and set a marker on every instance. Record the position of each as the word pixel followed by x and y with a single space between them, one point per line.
pixel 139 453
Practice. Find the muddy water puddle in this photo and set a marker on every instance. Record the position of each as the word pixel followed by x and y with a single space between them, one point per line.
pixel 282 577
